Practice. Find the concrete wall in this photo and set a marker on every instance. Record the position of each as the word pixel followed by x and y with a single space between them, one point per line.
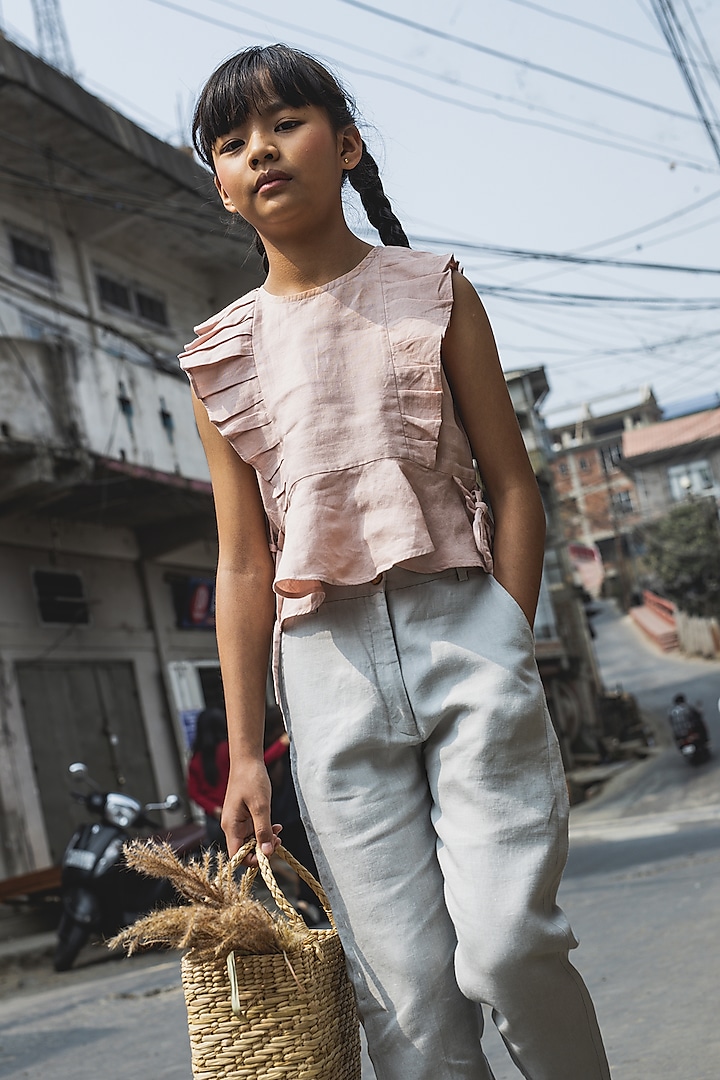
pixel 131 619
pixel 104 362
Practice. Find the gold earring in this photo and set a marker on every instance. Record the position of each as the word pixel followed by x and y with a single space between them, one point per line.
pixel 346 160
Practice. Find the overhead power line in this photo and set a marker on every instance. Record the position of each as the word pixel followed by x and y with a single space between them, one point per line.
pixel 590 26
pixel 651 303
pixel 530 65
pixel 550 256
pixel 637 147
pixel 682 50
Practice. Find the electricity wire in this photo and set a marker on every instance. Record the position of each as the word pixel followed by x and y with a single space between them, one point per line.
pixel 530 65
pixel 680 48
pixel 591 26
pixel 665 155
pixel 462 85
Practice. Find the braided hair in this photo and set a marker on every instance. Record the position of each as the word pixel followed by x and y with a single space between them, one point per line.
pixel 257 76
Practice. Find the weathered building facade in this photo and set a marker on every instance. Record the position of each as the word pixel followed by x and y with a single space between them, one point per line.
pixel 112 246
pixel 597 499
pixel 673 460
pixel 563 647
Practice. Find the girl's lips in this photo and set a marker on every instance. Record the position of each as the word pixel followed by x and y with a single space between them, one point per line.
pixel 271 180
pixel 272 185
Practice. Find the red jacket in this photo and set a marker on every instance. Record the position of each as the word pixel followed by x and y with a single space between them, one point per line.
pixel 209 796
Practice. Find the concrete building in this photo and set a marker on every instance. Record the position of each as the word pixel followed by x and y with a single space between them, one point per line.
pixel 112 245
pixel 563 648
pixel 674 459
pixel 598 502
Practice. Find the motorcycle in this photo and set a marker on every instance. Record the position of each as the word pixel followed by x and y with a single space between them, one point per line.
pixel 99 893
pixel 690 731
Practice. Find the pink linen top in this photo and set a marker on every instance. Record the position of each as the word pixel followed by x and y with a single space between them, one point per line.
pixel 337 397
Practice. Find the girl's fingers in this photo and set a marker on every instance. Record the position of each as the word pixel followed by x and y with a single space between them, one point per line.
pixel 251 860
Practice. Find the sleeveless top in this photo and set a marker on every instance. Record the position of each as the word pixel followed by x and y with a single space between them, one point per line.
pixel 337 398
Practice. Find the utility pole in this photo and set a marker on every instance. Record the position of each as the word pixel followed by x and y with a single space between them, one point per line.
pixel 52 40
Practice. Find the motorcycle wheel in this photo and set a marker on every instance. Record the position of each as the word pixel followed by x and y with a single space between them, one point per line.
pixel 71 938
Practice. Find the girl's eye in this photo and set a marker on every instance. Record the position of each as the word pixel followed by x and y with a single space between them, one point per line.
pixel 287 125
pixel 230 145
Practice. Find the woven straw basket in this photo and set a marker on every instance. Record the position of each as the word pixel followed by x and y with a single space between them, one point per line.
pixel 281 1016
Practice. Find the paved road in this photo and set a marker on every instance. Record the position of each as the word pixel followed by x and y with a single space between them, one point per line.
pixel 642 890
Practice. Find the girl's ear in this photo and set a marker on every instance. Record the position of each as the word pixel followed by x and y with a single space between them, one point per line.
pixel 226 200
pixel 351 147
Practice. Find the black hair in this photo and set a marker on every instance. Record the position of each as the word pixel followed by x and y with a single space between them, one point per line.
pixel 210 731
pixel 257 76
pixel 679 699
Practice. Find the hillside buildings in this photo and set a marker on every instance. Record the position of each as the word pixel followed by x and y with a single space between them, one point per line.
pixel 598 501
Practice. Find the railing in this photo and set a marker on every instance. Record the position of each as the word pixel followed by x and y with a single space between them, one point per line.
pixel 698 636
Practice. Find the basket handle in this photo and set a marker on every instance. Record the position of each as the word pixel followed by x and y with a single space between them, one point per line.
pixel 251 846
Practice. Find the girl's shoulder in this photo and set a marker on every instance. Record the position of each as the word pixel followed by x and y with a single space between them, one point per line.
pixel 413 263
pixel 231 321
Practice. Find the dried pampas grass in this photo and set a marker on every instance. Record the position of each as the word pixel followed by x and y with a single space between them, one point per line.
pixel 218 919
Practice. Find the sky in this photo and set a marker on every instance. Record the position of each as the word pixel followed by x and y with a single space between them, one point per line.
pixel 547 127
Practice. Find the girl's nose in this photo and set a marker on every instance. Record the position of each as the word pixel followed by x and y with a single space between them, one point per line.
pixel 261 150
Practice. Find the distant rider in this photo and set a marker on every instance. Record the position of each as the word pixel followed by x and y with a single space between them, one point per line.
pixel 686 720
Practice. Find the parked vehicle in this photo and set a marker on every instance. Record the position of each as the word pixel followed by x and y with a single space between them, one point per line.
pixel 99 893
pixel 689 730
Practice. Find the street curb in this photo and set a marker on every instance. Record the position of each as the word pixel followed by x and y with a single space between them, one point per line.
pixel 27 949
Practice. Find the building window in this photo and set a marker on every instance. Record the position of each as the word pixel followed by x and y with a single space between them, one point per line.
pixel 611 457
pixel 151 308
pixel 114 293
pixel 194 601
pixel 583 463
pixel 693 478
pixel 622 502
pixel 562 468
pixel 123 296
pixel 61 597
pixel 32 255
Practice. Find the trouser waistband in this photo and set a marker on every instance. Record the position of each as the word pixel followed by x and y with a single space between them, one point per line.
pixel 397 577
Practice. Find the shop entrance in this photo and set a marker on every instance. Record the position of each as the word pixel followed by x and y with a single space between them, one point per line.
pixel 83 712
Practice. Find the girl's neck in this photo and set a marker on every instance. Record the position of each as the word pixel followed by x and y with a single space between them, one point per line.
pixel 300 265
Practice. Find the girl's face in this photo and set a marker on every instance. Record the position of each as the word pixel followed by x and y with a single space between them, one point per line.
pixel 282 168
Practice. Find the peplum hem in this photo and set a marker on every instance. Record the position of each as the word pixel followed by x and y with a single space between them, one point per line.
pixel 393 527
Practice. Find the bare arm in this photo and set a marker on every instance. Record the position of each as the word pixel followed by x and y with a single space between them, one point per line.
pixel 482 400
pixel 244 619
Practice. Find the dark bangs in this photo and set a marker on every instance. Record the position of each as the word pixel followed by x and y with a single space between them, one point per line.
pixel 259 77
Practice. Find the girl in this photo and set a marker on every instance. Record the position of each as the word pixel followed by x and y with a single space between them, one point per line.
pixel 341 406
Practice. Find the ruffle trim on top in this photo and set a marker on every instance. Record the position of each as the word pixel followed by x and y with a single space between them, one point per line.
pixel 418 308
pixel 221 368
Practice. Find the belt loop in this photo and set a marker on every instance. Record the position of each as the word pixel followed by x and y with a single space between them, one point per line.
pixel 462 573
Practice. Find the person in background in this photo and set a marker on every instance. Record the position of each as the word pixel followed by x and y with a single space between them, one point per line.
pixel 286 811
pixel 208 771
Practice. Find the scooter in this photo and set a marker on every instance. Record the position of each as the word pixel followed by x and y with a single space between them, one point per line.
pixel 690 731
pixel 99 893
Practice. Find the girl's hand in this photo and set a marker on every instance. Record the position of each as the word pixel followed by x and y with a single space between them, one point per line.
pixel 246 810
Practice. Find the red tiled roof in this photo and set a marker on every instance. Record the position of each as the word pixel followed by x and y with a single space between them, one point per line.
pixel 663 436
